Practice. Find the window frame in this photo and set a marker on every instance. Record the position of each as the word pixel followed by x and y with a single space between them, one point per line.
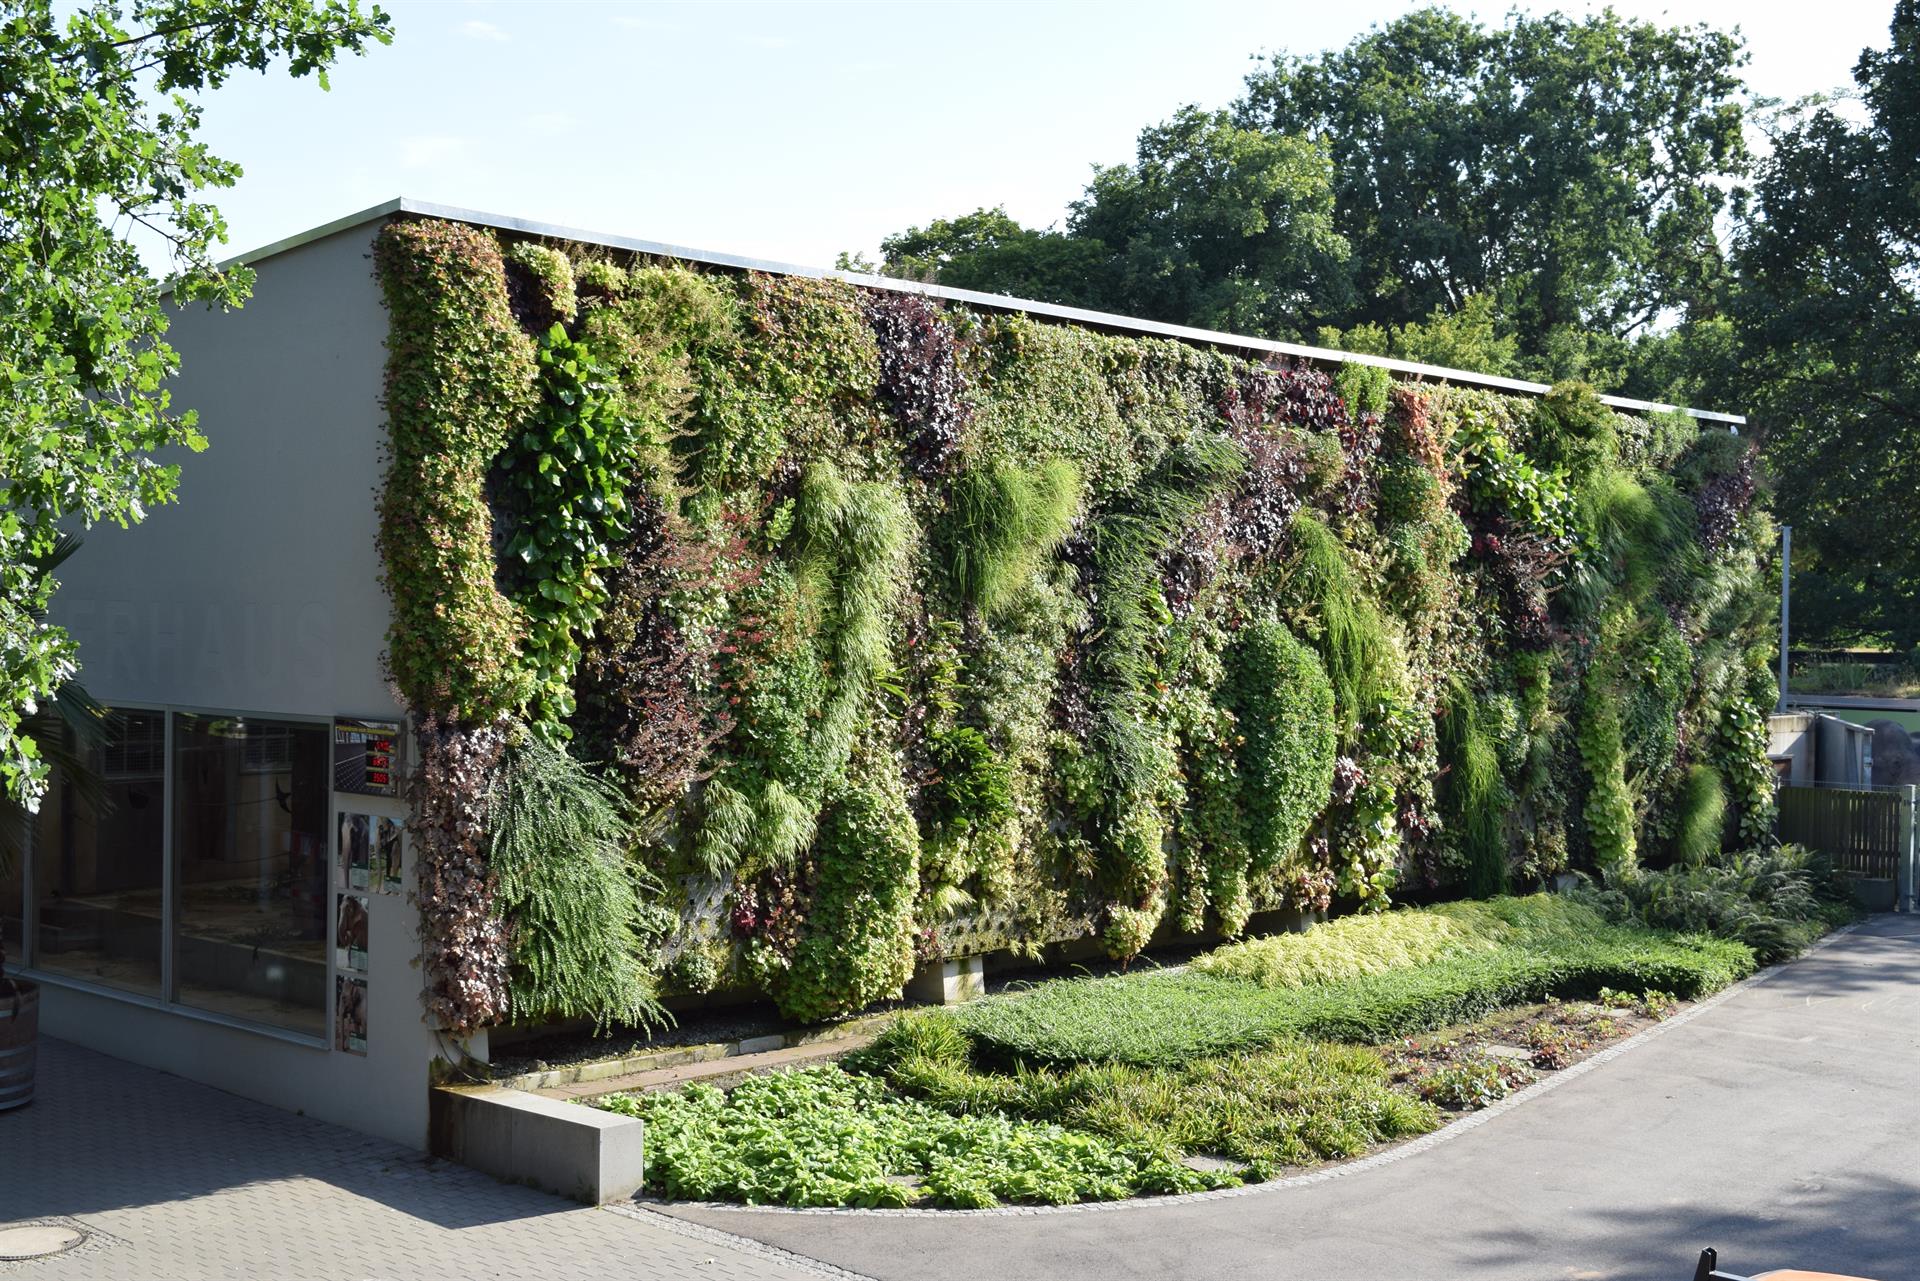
pixel 166 1002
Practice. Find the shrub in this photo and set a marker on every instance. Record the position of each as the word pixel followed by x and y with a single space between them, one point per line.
pixel 1284 705
pixel 857 946
pixel 1775 902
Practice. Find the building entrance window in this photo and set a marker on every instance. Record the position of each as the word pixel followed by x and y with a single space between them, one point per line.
pixel 98 862
pixel 251 800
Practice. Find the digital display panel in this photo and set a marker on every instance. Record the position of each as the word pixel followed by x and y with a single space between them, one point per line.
pixel 366 757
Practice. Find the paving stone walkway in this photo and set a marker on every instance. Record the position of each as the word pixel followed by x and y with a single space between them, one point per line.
pixel 171 1179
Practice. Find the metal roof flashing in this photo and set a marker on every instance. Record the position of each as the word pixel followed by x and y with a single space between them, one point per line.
pixel 972 298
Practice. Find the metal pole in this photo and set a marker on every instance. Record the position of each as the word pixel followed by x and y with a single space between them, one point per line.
pixel 1905 866
pixel 1786 605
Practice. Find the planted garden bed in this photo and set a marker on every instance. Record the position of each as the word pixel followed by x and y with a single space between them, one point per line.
pixel 1262 1057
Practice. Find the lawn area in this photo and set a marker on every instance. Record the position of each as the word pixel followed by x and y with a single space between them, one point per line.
pixel 1262 1056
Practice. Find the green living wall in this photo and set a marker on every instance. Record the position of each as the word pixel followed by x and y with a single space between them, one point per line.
pixel 776 634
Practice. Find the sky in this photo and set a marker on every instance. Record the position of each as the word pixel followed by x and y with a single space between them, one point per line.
pixel 792 131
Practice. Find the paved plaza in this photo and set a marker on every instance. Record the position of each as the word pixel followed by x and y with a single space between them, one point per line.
pixel 1770 1123
pixel 170 1179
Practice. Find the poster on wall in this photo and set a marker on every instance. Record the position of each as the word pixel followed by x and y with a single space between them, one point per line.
pixel 386 856
pixel 356 851
pixel 350 934
pixel 350 1014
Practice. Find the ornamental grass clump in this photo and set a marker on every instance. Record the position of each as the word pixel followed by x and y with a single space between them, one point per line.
pixel 1296 1104
pixel 568 889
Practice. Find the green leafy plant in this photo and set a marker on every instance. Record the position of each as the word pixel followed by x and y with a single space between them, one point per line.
pixel 564 476
pixel 1471 1083
pixel 1001 521
pixel 460 375
pixel 822 1137
pixel 1284 708
pixel 1296 1104
pixel 1166 1019
pixel 1352 638
pixel 1129 740
pixel 1700 814
pixel 857 946
pixel 1474 798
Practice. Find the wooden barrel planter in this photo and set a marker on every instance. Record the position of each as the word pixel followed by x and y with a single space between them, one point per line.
pixel 19 1024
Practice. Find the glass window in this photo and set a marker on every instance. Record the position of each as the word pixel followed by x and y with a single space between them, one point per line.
pixel 250 868
pixel 98 863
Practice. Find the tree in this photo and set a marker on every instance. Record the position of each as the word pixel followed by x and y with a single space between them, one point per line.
pixel 1470 338
pixel 1572 170
pixel 1216 225
pixel 1828 321
pixel 1213 225
pixel 989 250
pixel 97 137
pixel 1567 175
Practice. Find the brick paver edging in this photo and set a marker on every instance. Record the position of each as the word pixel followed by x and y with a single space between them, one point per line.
pixel 1412 1147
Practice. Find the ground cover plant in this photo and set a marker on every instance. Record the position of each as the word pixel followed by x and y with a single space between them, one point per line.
pixel 905 630
pixel 1087 1089
pixel 821 1136
pixel 1527 950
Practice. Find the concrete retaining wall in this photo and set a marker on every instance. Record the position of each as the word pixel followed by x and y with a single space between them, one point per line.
pixel 566 1148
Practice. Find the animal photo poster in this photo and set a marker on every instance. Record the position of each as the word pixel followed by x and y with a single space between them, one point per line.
pixel 350 1014
pixel 350 934
pixel 356 851
pixel 387 857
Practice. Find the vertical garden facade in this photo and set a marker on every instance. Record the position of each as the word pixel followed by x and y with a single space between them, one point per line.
pixel 772 634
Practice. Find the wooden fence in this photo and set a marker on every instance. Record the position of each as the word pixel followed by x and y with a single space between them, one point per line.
pixel 1865 832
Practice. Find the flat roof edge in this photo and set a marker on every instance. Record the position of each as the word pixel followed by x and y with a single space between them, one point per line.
pixel 998 302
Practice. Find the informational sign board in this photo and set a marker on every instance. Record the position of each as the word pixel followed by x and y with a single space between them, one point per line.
pixel 366 757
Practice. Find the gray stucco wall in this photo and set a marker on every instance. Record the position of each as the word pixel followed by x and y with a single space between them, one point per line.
pixel 258 592
pixel 258 589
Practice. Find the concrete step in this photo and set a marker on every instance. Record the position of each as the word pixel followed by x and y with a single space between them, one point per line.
pixel 593 1072
pixel 710 1072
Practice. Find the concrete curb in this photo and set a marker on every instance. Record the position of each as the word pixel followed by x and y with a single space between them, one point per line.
pixel 1412 1147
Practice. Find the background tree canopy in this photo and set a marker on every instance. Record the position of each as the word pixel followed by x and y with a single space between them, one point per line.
pixel 1550 198
pixel 1828 322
